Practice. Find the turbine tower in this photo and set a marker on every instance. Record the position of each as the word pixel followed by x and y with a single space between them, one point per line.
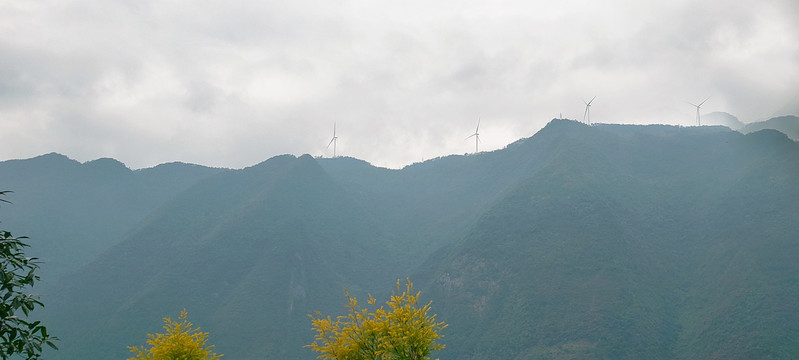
pixel 333 140
pixel 476 136
pixel 698 120
pixel 587 114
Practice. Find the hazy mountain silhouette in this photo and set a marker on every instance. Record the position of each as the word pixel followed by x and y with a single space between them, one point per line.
pixel 602 242
pixel 788 125
pixel 73 212
pixel 723 119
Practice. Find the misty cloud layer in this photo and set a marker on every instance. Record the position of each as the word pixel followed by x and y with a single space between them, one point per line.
pixel 233 83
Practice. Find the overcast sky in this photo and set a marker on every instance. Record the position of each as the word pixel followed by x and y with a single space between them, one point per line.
pixel 233 83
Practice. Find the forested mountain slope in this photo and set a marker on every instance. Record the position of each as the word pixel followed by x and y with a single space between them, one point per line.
pixel 73 212
pixel 249 253
pixel 633 242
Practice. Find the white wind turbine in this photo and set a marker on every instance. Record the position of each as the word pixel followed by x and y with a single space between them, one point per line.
pixel 476 136
pixel 587 114
pixel 699 120
pixel 333 140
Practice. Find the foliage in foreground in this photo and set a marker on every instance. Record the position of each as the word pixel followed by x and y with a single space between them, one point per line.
pixel 182 341
pixel 18 335
pixel 403 331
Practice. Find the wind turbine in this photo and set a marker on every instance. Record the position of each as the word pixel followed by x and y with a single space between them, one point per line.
pixel 333 140
pixel 587 114
pixel 476 136
pixel 698 120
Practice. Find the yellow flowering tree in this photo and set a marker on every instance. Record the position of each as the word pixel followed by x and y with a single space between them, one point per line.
pixel 182 341
pixel 403 331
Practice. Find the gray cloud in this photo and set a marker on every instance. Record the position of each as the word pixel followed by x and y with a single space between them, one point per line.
pixel 233 83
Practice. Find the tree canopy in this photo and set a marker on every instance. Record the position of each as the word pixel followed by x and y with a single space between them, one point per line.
pixel 404 331
pixel 17 272
pixel 182 341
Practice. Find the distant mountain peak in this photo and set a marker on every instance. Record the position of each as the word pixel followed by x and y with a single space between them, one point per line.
pixel 105 162
pixel 54 157
pixel 787 124
pixel 722 118
pixel 273 161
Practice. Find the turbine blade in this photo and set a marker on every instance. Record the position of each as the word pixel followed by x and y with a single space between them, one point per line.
pixel 592 100
pixel 700 104
pixel 478 125
pixel 467 138
pixel 331 141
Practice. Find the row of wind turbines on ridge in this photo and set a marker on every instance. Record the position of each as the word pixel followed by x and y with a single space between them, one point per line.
pixel 476 135
pixel 587 114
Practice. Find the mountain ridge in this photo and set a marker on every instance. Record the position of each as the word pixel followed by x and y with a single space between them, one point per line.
pixel 603 241
pixel 74 211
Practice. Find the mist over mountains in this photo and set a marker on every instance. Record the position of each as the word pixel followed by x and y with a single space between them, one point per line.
pixel 601 242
